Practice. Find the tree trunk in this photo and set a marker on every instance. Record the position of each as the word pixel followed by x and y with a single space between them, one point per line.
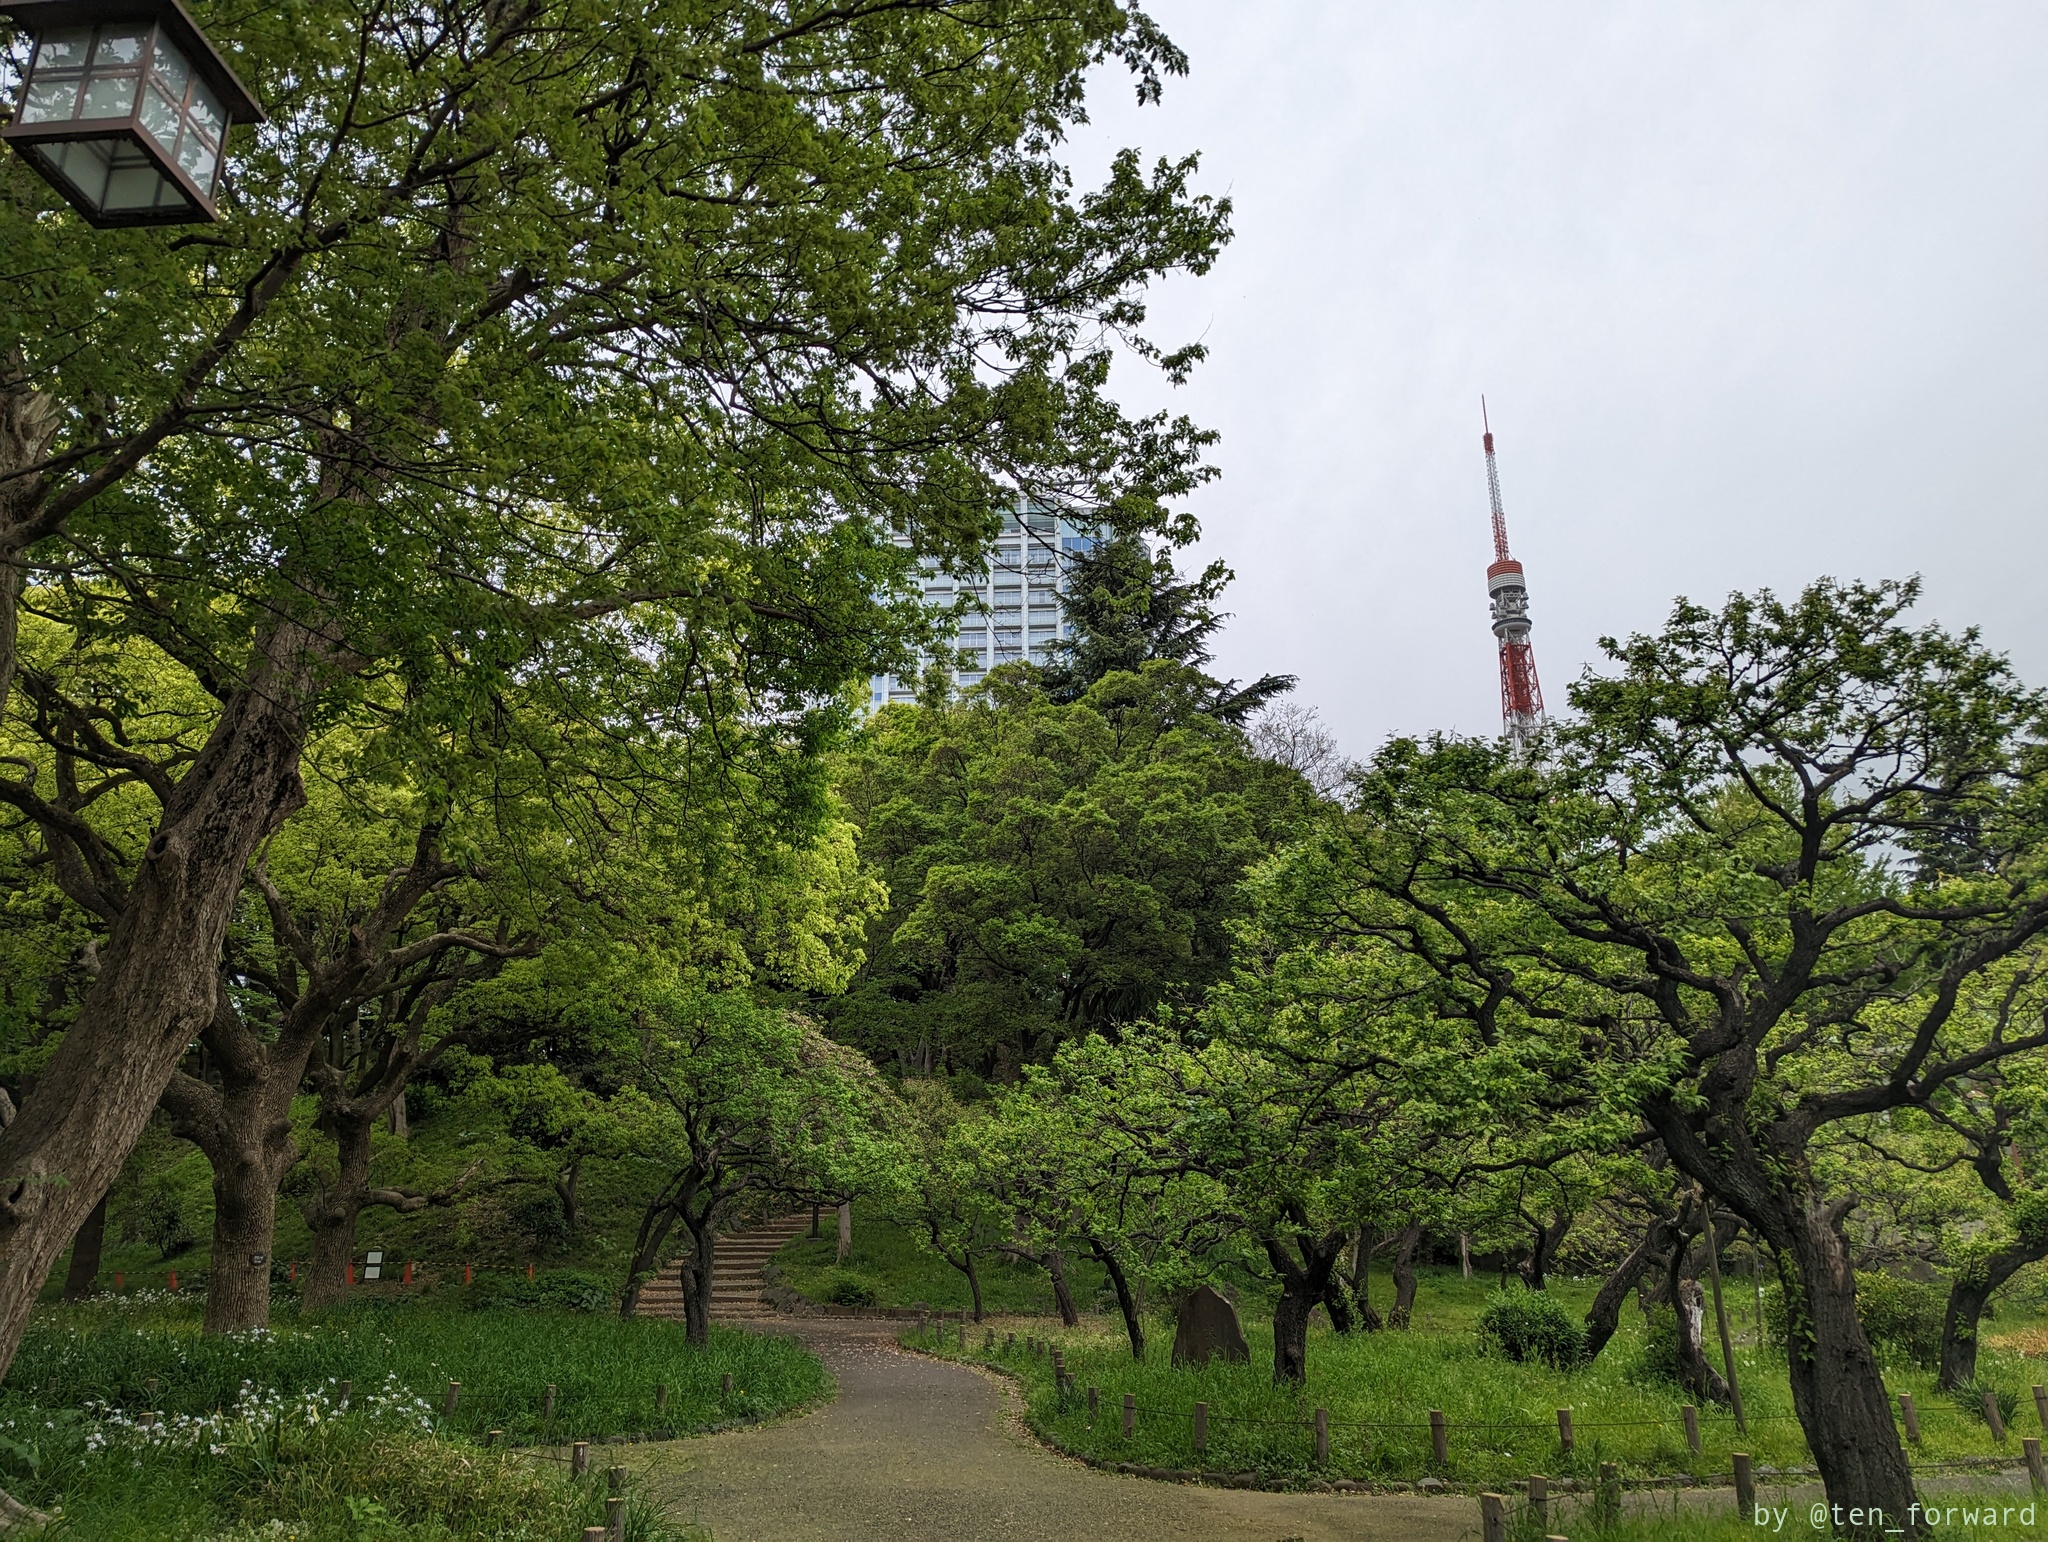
pixel 1056 1265
pixel 1966 1299
pixel 1836 1388
pixel 1337 1302
pixel 845 1233
pixel 974 1285
pixel 565 1191
pixel 1604 1315
pixel 1404 1276
pixel 244 1129
pixel 158 976
pixel 703 1258
pixel 1126 1303
pixel 1290 1333
pixel 1304 1279
pixel 332 1215
pixel 1543 1252
pixel 656 1222
pixel 84 1272
pixel 1361 1279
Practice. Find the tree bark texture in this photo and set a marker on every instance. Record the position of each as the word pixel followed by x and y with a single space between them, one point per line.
pixel 1604 1315
pixel 845 1233
pixel 84 1272
pixel 332 1213
pixel 1403 1310
pixel 244 1129
pixel 158 976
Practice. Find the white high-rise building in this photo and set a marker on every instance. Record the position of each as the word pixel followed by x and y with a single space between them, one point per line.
pixel 1017 601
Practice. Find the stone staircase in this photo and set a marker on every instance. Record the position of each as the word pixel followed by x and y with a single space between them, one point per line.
pixel 735 1274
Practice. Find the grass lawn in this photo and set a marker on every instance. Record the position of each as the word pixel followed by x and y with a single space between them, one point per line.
pixel 1380 1387
pixel 250 1430
pixel 900 1271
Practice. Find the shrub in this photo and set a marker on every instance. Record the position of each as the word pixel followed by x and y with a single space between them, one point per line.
pixel 1524 1325
pixel 1901 1318
pixel 568 1290
pixel 842 1287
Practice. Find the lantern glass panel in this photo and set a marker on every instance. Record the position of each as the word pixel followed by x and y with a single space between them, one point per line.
pixel 113 175
pixel 172 73
pixel 55 78
pixel 160 117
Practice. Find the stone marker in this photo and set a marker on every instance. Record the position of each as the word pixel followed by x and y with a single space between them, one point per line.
pixel 1208 1329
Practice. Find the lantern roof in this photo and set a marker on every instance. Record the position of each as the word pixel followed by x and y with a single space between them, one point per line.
pixel 237 102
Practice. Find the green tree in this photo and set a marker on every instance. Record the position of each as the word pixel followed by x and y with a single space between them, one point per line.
pixel 1692 907
pixel 549 347
pixel 1127 606
pixel 729 1101
pixel 1052 870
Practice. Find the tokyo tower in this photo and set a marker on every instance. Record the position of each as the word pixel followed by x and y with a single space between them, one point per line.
pixel 1521 697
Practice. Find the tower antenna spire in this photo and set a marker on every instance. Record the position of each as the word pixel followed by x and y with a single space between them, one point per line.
pixel 1521 696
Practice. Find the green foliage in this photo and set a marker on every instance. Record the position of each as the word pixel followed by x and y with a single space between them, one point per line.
pixel 566 1290
pixel 1052 870
pixel 1524 1324
pixel 893 1260
pixel 1127 607
pixel 1969 1397
pixel 603 1367
pixel 337 1477
pixel 1902 1318
pixel 845 1287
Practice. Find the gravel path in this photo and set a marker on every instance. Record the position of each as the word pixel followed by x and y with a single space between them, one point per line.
pixel 915 1450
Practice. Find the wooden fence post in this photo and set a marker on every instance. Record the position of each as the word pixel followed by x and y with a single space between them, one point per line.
pixel 579 1459
pixel 1993 1417
pixel 1911 1415
pixel 1564 1430
pixel 1130 1413
pixel 454 1397
pixel 593 1534
pixel 1094 1399
pixel 1607 1502
pixel 1539 1501
pixel 1201 1428
pixel 1322 1437
pixel 1493 1518
pixel 2041 1405
pixel 2036 1474
pixel 1439 1438
pixel 615 1518
pixel 1745 1486
pixel 1691 1416
pixel 547 1405
pixel 660 1396
pixel 725 1385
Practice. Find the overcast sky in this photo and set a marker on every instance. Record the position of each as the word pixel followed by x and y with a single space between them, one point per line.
pixel 1755 292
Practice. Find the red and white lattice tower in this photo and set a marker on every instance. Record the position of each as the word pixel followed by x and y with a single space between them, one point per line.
pixel 1521 697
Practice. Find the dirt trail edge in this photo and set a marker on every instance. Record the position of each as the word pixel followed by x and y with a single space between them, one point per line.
pixel 916 1450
